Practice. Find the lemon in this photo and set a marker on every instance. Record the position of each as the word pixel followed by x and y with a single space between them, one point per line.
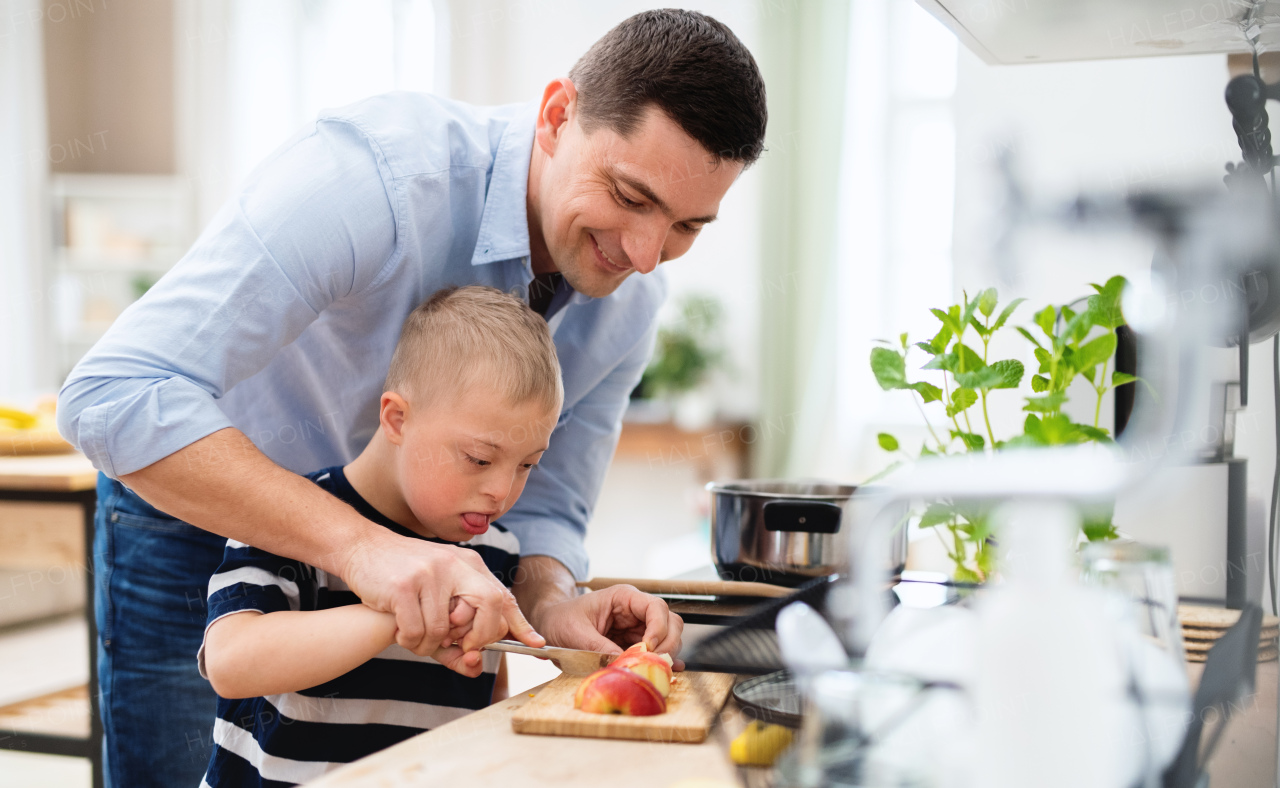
pixel 759 744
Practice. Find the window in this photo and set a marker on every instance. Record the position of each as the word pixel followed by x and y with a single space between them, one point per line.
pixel 897 198
pixel 290 59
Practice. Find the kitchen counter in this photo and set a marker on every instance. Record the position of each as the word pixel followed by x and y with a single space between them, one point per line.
pixel 481 750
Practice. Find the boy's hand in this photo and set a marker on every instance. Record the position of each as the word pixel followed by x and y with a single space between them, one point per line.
pixel 418 582
pixel 468 663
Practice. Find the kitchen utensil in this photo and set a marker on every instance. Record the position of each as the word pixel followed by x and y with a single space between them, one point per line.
pixel 786 532
pixel 808 643
pixel 852 715
pixel 772 698
pixel 690 587
pixel 692 706
pixel 1144 574
pixel 751 645
pixel 572 661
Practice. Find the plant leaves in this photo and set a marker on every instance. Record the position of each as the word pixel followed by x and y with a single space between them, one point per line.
pixel 1045 359
pixel 968 359
pixel 1027 334
pixel 987 301
pixel 889 368
pixel 1121 378
pixel 1077 328
pixel 936 514
pixel 943 361
pixel 983 378
pixel 1007 313
pixel 1049 403
pixel 1045 319
pixel 1099 530
pixel 1057 429
pixel 1011 372
pixel 1094 352
pixel 903 339
pixel 969 309
pixel 887 441
pixel 1096 434
pixel 972 441
pixel 893 466
pixel 961 400
pixel 1039 383
pixel 927 391
pixel 947 320
pixel 1105 306
pixel 941 340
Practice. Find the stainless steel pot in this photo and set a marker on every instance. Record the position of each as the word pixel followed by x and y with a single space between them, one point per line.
pixel 786 532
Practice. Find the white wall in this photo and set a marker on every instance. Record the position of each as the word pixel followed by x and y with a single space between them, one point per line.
pixel 23 164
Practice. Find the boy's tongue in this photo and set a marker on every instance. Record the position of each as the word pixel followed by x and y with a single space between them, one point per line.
pixel 476 523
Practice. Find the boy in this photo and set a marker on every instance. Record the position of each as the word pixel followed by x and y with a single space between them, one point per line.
pixel 308 677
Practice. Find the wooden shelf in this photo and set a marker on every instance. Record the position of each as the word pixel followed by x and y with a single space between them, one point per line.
pixel 64 713
pixel 663 443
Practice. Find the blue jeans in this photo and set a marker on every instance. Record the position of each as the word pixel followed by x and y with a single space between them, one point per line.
pixel 152 577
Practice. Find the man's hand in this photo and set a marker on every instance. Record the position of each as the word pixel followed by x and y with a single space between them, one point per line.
pixel 612 619
pixel 422 583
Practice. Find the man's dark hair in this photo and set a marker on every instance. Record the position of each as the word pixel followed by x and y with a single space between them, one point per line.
pixel 688 65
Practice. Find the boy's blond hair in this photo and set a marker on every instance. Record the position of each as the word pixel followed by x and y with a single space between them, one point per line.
pixel 476 335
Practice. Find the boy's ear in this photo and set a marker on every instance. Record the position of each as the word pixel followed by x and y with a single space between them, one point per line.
pixel 391 415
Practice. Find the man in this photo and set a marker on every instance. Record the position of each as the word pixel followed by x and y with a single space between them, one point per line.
pixel 262 355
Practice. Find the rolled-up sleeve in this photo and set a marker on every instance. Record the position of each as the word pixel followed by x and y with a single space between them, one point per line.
pixel 551 516
pixel 313 225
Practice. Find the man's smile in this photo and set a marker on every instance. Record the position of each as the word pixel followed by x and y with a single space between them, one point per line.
pixel 605 261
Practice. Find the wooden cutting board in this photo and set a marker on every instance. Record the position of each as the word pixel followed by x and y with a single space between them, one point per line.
pixel 695 700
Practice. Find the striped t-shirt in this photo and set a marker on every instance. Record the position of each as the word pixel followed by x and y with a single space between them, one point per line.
pixel 294 737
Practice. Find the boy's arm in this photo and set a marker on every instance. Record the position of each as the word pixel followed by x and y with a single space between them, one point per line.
pixel 251 654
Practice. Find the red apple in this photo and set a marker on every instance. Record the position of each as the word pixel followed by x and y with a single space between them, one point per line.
pixel 614 691
pixel 651 665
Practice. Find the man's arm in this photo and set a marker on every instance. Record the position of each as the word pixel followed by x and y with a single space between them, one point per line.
pixel 222 483
pixel 313 226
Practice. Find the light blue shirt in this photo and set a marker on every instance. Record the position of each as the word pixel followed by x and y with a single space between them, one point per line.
pixel 282 317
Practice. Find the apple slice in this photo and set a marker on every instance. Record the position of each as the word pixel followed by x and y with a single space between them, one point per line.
pixel 615 691
pixel 651 665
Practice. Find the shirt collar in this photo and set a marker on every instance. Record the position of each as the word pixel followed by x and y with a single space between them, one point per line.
pixel 504 225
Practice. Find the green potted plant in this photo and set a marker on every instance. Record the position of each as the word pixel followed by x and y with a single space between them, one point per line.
pixel 688 350
pixel 1067 345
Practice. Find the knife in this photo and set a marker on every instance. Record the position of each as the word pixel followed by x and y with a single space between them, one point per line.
pixel 574 662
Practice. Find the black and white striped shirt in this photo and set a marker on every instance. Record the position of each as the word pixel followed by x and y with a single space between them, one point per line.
pixel 294 737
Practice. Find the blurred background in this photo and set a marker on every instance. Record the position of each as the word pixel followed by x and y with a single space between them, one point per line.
pixel 125 124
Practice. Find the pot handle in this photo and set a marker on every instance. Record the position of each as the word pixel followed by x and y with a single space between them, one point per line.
pixel 818 517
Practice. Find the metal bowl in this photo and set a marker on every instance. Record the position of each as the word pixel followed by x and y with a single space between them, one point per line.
pixel 786 532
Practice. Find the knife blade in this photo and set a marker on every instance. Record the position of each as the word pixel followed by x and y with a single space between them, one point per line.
pixel 572 661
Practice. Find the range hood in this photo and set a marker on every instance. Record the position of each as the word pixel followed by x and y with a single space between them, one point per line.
pixel 1044 31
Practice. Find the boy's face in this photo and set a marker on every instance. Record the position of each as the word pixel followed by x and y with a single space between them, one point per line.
pixel 463 461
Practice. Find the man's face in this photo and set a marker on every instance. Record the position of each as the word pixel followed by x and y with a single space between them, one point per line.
pixel 611 206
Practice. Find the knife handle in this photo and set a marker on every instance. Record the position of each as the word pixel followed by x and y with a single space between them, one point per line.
pixel 516 647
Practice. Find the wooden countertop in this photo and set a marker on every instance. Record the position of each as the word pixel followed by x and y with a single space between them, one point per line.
pixel 48 473
pixel 481 750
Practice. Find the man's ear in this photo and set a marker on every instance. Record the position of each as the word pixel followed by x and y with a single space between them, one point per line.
pixel 559 106
pixel 391 415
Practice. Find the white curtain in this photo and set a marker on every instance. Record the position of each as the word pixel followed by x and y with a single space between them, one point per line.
pixel 23 168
